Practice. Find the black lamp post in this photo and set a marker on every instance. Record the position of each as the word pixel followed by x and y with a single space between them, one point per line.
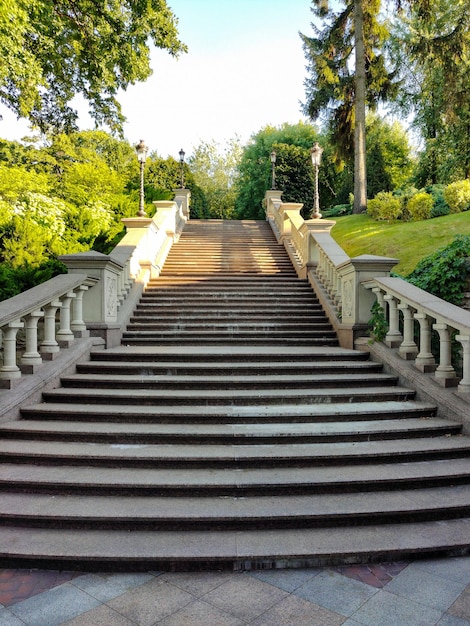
pixel 273 165
pixel 316 153
pixel 182 153
pixel 141 150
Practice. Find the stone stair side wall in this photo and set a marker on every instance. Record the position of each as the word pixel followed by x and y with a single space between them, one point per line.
pixel 348 287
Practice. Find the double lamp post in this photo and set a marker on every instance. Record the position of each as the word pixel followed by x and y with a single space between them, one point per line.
pixel 315 153
pixel 142 151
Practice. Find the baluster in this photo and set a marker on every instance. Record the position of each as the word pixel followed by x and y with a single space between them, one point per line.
pixel 445 373
pixel 408 348
pixel 65 336
pixel 49 347
pixel 31 357
pixel 77 324
pixel 425 360
pixel 394 337
pixel 464 385
pixel 10 370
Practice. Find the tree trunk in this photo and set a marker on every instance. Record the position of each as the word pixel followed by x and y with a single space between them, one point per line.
pixel 360 173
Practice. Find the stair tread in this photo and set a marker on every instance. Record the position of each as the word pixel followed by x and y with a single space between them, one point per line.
pixel 285 410
pixel 201 509
pixel 227 394
pixel 259 379
pixel 209 478
pixel 232 453
pixel 189 546
pixel 233 429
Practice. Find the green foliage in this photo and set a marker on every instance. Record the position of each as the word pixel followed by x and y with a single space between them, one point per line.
pixel 214 170
pixel 388 155
pixel 70 197
pixel 444 272
pixel 385 206
pixel 457 196
pixel 440 206
pixel 294 172
pixel 338 211
pixel 419 207
pixel 54 51
pixel 377 324
pixel 14 281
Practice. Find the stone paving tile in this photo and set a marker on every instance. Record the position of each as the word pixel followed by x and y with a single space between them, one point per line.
pixel 104 587
pixel 8 619
pixel 388 609
pixel 19 584
pixel 450 620
pixel 375 575
pixel 102 616
pixel 457 568
pixel 461 607
pixel 426 588
pixel 200 613
pixel 336 592
pixel 54 606
pixel 296 611
pixel 244 597
pixel 287 579
pixel 151 602
pixel 198 583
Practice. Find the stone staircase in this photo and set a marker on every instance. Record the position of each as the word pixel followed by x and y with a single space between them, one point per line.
pixel 230 430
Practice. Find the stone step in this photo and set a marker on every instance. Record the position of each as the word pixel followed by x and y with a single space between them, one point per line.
pixel 226 340
pixel 247 481
pixel 239 354
pixel 183 325
pixel 218 513
pixel 233 456
pixel 228 368
pixel 229 414
pixel 250 549
pixel 221 397
pixel 259 382
pixel 299 432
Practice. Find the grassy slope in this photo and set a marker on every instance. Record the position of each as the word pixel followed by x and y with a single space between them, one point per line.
pixel 408 241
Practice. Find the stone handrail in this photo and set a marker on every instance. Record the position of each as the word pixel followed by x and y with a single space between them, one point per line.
pixel 403 305
pixel 348 287
pixel 96 297
pixel 335 277
pixel 63 293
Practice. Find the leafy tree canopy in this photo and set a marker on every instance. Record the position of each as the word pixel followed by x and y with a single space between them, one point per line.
pixel 53 51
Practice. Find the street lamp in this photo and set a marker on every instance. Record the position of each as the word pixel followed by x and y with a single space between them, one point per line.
pixel 141 150
pixel 273 164
pixel 316 153
pixel 182 153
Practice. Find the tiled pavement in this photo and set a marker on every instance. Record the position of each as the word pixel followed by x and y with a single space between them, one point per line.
pixel 418 593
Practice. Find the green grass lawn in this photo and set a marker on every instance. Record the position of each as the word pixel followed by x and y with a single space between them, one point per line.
pixel 408 242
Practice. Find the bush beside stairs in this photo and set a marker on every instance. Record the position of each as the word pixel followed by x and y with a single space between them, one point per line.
pixel 230 430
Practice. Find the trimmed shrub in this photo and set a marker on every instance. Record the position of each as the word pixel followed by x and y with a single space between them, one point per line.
pixel 385 206
pixel 420 206
pixel 457 196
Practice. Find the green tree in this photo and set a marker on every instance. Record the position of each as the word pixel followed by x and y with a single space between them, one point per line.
pixel 341 87
pixel 53 51
pixel 294 173
pixel 215 172
pixel 432 42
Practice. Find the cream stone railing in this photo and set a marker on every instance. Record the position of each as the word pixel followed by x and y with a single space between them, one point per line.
pixel 412 315
pixel 348 287
pixel 96 296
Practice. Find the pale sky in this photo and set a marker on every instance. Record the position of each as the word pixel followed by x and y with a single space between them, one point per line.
pixel 244 69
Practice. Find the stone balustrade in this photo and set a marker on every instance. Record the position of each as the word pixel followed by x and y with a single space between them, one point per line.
pixel 61 296
pixel 97 295
pixel 412 315
pixel 335 277
pixel 348 287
